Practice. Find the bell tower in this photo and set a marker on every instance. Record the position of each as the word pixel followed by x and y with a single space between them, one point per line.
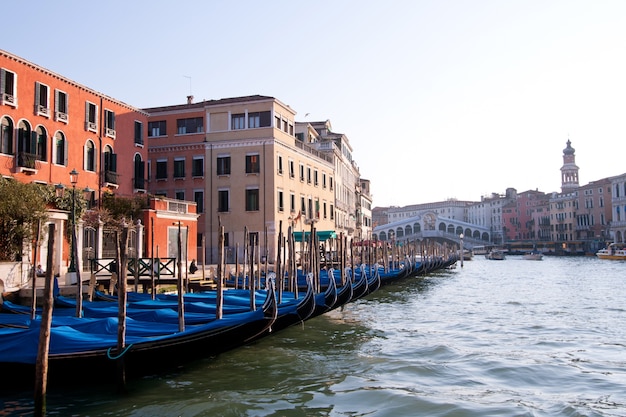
pixel 569 170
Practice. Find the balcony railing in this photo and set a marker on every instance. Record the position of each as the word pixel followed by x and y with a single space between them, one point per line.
pixel 110 177
pixel 26 160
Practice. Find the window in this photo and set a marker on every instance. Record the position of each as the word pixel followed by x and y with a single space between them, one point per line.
pixel 281 203
pixel 308 175
pixel 292 202
pixel 301 172
pixel 252 199
pixel 179 168
pixel 303 206
pixel 330 179
pixel 8 87
pixel 315 178
pixel 197 167
pixel 6 146
pixel 223 165
pixel 222 200
pixel 156 128
pixel 253 239
pixel 238 121
pixel 138 133
pixel 42 100
pixel 179 195
pixel 161 169
pixel 42 143
pixel 292 170
pixel 60 149
pixel 325 214
pixel 259 119
pixel 110 165
pixel 109 123
pixel 198 197
pixel 26 144
pixel 191 125
pixel 324 180
pixel 332 212
pixel 91 117
pixel 90 156
pixel 279 162
pixel 252 164
pixel 60 106
pixel 139 168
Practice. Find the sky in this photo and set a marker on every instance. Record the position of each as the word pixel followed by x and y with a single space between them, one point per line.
pixel 440 99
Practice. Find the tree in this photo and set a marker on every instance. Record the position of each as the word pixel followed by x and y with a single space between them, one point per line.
pixel 22 208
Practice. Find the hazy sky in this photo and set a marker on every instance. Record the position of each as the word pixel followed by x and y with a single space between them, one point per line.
pixel 439 98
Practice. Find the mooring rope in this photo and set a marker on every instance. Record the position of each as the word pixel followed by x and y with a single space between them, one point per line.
pixel 120 355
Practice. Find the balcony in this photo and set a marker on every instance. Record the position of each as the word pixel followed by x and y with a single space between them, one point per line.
pixel 110 179
pixel 26 162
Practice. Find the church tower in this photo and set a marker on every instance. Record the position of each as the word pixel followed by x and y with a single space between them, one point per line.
pixel 569 170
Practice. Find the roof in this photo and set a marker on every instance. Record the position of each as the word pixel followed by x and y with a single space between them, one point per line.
pixel 204 103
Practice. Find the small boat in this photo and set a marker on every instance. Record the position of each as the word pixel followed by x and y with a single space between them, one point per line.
pixel 495 255
pixel 533 255
pixel 614 252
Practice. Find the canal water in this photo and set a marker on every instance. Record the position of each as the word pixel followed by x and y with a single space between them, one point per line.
pixel 494 338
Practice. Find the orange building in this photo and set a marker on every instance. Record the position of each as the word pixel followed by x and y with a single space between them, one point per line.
pixel 51 126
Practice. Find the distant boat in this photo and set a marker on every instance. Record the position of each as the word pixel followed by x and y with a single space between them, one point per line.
pixel 495 255
pixel 615 252
pixel 533 255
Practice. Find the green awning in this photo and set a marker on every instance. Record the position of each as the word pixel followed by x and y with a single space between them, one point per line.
pixel 322 235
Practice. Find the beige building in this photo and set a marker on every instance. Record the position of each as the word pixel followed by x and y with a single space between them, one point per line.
pixel 240 160
pixel 618 205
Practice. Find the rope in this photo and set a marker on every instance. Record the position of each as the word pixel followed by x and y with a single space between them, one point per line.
pixel 113 358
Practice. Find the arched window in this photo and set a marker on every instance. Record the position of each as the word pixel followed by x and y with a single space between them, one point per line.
pixel 6 136
pixel 42 143
pixel 110 165
pixel 90 156
pixel 138 181
pixel 25 138
pixel 60 149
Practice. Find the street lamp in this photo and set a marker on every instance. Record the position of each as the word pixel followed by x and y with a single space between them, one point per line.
pixel 462 253
pixel 73 180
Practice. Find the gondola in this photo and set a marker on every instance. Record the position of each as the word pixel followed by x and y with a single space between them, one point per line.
pixel 88 347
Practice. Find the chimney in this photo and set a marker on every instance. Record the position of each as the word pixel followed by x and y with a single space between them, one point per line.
pixel 189 99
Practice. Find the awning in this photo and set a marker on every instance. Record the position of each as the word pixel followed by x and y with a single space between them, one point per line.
pixel 322 235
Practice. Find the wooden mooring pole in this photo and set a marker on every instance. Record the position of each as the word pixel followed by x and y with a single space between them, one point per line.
pixel 41 368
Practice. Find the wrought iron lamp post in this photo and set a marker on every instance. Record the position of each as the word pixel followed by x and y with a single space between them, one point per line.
pixel 73 180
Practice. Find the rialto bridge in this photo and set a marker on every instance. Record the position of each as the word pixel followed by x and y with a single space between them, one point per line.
pixel 429 225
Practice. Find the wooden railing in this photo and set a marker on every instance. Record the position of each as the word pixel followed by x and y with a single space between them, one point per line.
pixel 141 266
